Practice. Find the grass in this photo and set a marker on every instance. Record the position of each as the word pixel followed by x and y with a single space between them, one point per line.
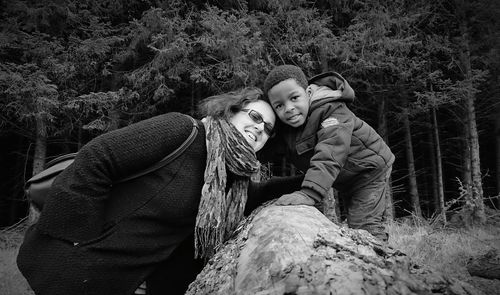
pixel 11 280
pixel 445 250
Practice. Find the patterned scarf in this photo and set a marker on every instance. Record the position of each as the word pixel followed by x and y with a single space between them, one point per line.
pixel 219 213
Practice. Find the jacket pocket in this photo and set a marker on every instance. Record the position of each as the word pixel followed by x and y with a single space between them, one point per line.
pixel 356 166
pixel 306 145
pixel 107 231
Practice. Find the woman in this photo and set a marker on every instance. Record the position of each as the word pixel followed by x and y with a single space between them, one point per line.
pixel 89 242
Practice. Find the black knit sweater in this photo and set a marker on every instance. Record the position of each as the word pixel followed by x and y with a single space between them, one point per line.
pixel 93 238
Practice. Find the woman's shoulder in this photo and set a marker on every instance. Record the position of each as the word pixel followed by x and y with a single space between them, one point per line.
pixel 173 127
pixel 171 117
pixel 171 121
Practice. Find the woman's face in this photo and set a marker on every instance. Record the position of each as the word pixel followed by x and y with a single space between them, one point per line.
pixel 249 123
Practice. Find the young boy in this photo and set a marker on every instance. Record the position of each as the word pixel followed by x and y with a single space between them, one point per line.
pixel 335 148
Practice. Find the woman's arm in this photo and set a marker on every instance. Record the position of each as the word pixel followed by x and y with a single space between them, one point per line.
pixel 74 210
pixel 260 192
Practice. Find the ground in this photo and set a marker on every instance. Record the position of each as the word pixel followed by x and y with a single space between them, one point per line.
pixel 446 250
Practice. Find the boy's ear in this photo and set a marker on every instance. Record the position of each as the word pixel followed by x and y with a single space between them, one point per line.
pixel 310 90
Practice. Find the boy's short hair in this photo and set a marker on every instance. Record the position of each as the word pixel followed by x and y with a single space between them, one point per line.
pixel 282 73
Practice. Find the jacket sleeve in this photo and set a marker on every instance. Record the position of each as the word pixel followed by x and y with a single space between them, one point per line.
pixel 75 206
pixel 330 152
pixel 261 192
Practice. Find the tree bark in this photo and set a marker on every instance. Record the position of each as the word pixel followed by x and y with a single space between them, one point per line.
pixel 439 166
pixel 39 155
pixel 497 136
pixel 323 58
pixel 485 266
pixel 40 145
pixel 383 132
pixel 477 186
pixel 412 175
pixel 330 207
pixel 114 119
pixel 466 174
pixel 297 250
pixel 433 165
pixel 479 215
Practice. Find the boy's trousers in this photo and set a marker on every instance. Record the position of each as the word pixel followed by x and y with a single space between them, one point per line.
pixel 366 204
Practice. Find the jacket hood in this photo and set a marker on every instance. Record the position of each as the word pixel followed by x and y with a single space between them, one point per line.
pixel 330 86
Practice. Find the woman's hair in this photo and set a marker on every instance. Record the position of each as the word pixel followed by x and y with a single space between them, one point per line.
pixel 224 106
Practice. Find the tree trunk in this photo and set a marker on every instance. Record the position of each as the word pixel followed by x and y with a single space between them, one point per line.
pixel 196 97
pixel 485 266
pixel 329 206
pixel 383 132
pixel 114 119
pixel 497 136
pixel 439 166
pixel 297 250
pixel 80 136
pixel 477 186
pixel 38 157
pixel 467 174
pixel 323 58
pixel 433 165
pixel 40 145
pixel 412 175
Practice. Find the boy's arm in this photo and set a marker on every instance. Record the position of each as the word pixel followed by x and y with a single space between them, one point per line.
pixel 330 154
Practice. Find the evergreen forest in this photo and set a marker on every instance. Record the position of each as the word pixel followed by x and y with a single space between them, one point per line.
pixel 426 76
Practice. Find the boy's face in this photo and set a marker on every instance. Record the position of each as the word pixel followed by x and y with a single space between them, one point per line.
pixel 290 102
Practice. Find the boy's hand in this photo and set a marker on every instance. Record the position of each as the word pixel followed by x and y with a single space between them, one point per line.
pixel 295 198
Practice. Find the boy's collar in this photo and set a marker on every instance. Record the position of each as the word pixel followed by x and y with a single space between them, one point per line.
pixel 336 82
pixel 316 92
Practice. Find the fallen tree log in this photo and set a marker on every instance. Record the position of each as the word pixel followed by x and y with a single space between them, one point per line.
pixel 297 250
pixel 486 266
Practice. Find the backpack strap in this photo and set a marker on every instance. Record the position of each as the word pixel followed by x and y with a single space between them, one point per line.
pixel 170 157
pixel 38 186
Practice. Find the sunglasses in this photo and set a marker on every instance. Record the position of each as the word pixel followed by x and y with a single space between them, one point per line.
pixel 257 118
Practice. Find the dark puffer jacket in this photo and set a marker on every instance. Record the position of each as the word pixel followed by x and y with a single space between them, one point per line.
pixel 335 147
pixel 93 238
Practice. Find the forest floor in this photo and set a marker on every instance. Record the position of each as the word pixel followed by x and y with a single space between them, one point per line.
pixel 446 250
pixel 11 280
